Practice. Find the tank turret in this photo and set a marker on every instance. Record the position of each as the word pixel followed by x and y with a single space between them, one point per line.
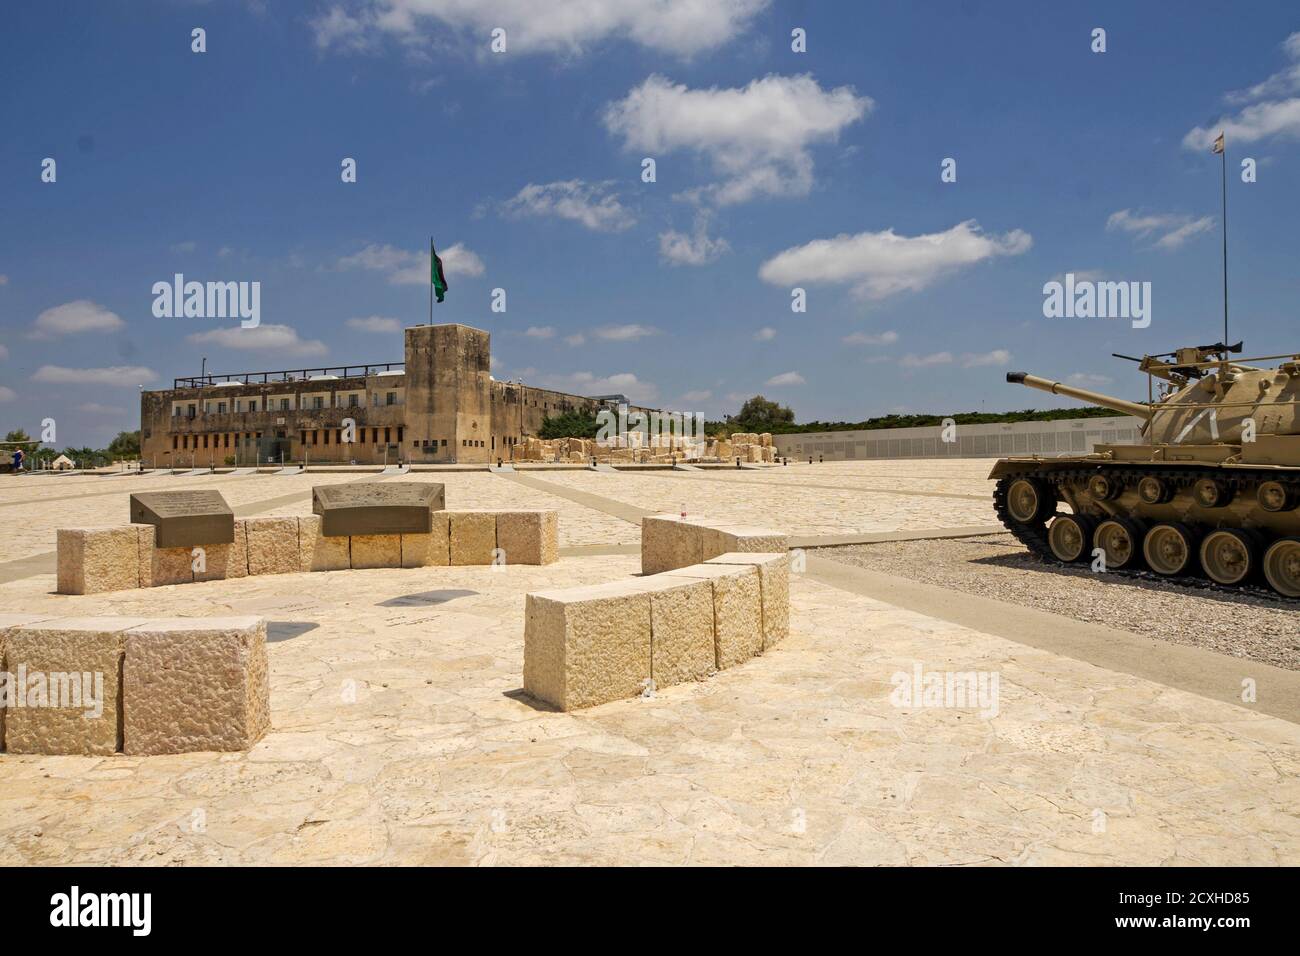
pixel 1212 488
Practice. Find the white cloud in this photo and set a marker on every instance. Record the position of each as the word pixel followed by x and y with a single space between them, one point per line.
pixel 576 339
pixel 880 264
pixel 585 383
pixel 592 204
pixel 412 268
pixel 864 338
pixel 700 395
pixel 696 249
pixel 624 333
pixel 1270 108
pixel 74 318
pixel 566 27
pixel 926 361
pixel 540 332
pixel 765 334
pixel 981 359
pixel 1175 228
pixel 7 394
pixel 786 378
pixel 757 138
pixel 375 323
pixel 124 376
pixel 263 338
pixel 188 245
pixel 95 408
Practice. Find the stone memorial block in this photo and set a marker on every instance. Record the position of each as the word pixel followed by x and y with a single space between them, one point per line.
pixel 682 645
pixel 473 536
pixel 774 585
pixel 737 609
pixel 91 560
pixel 587 645
pixel 184 519
pixel 273 545
pixel 528 537
pixel 317 552
pixel 376 507
pixel 376 551
pixel 429 550
pixel 75 664
pixel 192 684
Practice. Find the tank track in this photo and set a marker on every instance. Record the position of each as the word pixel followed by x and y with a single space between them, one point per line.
pixel 1034 535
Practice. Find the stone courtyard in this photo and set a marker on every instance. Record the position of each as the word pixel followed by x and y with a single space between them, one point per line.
pixel 400 733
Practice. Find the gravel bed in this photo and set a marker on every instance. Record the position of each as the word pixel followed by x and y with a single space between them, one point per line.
pixel 1254 626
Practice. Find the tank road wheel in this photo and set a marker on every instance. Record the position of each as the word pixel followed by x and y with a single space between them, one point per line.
pixel 1282 566
pixel 1104 487
pixel 1029 500
pixel 1275 496
pixel 1229 555
pixel 1120 540
pixel 1154 491
pixel 1170 549
pixel 1211 493
pixel 1069 535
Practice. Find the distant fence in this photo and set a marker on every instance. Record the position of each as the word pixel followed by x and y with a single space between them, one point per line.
pixel 1065 437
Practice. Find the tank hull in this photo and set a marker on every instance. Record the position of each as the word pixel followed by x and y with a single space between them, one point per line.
pixel 1202 491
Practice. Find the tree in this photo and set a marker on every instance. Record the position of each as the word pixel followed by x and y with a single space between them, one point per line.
pixel 17 435
pixel 573 424
pixel 125 447
pixel 760 415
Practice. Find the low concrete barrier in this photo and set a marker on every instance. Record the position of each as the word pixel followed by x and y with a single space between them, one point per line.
pixel 93 560
pixel 670 541
pixel 592 645
pixel 134 685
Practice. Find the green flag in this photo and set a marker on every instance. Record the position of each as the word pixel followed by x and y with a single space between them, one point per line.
pixel 436 275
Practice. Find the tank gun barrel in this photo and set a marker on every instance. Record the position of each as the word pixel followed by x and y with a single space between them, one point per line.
pixel 1082 394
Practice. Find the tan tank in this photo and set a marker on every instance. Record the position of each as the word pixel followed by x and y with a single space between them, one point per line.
pixel 1212 490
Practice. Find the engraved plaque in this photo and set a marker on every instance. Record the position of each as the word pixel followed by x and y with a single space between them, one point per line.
pixel 183 519
pixel 377 507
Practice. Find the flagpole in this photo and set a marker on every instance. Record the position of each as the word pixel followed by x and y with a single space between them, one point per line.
pixel 1224 170
pixel 431 279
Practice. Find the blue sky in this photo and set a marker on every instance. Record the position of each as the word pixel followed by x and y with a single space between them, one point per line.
pixel 526 167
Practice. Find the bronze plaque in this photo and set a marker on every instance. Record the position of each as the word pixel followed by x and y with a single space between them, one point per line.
pixel 377 507
pixel 183 519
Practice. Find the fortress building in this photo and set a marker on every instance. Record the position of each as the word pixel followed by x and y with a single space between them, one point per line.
pixel 439 406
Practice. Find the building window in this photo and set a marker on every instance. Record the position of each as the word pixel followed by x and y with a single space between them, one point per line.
pixel 302 437
pixel 390 398
pixel 284 404
pixel 173 443
pixel 318 402
pixel 388 436
pixel 353 402
pixel 444 443
pixel 192 410
pixel 221 408
pixel 326 434
pixel 338 436
pixel 400 430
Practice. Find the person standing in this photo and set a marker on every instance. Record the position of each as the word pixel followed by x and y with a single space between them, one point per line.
pixel 18 460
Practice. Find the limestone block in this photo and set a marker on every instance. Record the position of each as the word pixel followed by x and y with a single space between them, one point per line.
pixel 428 550
pixel 376 551
pixel 226 560
pixel 586 646
pixel 682 644
pixel 315 551
pixel 726 538
pixel 473 536
pixel 774 588
pixel 273 545
pixel 737 610
pixel 8 623
pixel 765 439
pixel 92 560
pixel 191 684
pixel 77 663
pixel 171 566
pixel 145 534
pixel 753 453
pixel 669 542
pixel 529 537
